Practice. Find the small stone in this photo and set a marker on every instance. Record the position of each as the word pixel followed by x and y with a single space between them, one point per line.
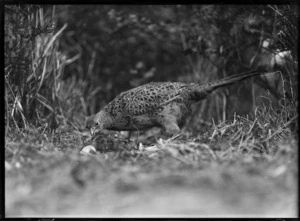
pixel 89 150
pixel 17 165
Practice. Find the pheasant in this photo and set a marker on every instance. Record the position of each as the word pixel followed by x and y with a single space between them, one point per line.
pixel 156 104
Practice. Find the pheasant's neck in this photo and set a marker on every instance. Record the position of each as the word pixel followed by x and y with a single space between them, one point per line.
pixel 105 119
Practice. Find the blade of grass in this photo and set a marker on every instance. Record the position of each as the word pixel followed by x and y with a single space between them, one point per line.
pixel 53 39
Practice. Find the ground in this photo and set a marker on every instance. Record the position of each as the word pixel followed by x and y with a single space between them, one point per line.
pixel 226 170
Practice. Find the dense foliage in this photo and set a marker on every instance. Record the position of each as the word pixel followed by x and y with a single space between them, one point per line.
pixel 63 63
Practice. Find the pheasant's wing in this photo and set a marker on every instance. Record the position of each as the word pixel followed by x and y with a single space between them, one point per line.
pixel 146 98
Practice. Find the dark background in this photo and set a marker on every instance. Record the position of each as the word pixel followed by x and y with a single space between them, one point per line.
pixel 65 62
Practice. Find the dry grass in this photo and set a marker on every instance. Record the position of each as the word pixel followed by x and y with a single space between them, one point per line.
pixel 239 168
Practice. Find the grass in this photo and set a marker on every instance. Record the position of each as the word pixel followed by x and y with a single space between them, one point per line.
pixel 240 168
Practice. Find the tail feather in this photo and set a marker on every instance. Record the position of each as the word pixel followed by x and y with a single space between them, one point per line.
pixel 202 90
pixel 233 79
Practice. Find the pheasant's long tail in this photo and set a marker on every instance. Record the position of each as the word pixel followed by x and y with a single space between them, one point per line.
pixel 233 79
pixel 204 89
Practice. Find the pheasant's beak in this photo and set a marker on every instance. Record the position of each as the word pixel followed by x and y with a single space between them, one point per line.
pixel 92 131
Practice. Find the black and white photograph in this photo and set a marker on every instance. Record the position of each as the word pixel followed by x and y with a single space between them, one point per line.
pixel 150 111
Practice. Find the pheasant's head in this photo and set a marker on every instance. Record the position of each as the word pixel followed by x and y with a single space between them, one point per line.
pixel 97 122
pixel 94 124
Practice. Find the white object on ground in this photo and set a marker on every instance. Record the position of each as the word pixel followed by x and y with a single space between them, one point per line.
pixel 89 150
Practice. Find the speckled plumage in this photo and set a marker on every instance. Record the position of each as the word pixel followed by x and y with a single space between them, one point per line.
pixel 161 104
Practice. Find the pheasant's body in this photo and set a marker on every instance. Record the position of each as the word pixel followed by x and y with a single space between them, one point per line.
pixel 162 104
pixel 150 105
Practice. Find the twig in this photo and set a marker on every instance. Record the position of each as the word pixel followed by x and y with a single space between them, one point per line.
pixel 280 130
pixel 174 137
pixel 53 39
pixel 210 151
pixel 252 126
